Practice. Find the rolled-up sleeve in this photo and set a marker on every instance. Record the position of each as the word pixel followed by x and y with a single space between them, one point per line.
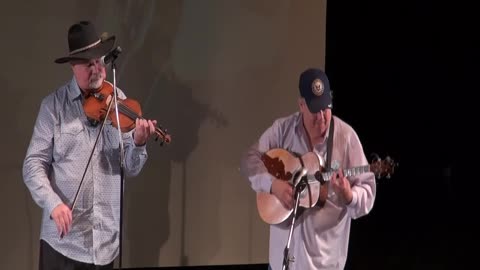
pixel 252 167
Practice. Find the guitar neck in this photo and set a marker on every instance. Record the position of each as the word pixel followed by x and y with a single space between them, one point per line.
pixel 347 172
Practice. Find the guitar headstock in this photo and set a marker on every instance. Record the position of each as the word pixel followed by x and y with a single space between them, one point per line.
pixel 382 168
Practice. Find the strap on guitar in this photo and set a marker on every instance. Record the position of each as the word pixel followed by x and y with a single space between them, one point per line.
pixel 324 183
pixel 330 145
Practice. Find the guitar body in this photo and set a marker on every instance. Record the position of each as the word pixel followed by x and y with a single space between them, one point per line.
pixel 283 165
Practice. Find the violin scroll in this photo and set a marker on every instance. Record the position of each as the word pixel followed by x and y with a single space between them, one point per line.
pixel 162 135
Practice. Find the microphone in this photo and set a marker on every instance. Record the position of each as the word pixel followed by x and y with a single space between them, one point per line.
pixel 319 176
pixel 110 56
pixel 300 175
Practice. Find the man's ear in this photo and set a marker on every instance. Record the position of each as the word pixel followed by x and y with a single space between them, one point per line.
pixel 301 103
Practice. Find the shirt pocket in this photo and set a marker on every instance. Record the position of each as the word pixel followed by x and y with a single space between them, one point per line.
pixel 69 140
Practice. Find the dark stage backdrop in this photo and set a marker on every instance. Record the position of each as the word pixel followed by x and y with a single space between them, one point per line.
pixel 214 73
pixel 405 75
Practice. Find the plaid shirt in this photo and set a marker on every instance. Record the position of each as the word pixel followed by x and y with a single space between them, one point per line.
pixel 56 159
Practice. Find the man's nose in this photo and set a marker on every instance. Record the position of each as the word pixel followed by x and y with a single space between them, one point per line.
pixel 319 114
pixel 97 66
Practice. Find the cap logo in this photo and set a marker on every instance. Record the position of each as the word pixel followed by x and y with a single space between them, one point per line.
pixel 317 87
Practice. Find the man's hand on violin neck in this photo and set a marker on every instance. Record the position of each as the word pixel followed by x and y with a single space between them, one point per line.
pixel 144 129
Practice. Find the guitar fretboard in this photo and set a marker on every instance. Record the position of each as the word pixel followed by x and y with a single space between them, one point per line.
pixel 347 172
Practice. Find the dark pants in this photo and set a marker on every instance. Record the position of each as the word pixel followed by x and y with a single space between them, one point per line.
pixel 50 259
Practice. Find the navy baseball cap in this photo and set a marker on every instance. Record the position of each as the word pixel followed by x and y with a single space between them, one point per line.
pixel 315 89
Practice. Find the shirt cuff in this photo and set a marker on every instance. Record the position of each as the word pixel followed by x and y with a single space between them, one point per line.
pixel 266 183
pixel 52 202
pixel 140 147
pixel 138 151
pixel 354 200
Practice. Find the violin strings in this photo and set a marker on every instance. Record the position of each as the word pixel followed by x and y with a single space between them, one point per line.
pixel 127 111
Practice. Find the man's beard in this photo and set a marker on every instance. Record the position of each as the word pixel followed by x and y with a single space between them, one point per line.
pixel 95 81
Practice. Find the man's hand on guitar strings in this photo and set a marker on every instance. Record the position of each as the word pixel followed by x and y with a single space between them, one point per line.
pixel 284 192
pixel 341 186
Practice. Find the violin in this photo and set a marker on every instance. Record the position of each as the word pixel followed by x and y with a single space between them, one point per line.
pixel 96 106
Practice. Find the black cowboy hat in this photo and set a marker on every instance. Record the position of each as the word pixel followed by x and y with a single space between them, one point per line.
pixel 84 43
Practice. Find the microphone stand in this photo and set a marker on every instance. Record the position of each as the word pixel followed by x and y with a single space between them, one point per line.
pixel 299 185
pixel 122 161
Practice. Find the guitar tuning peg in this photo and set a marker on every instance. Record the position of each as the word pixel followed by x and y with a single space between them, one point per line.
pixel 375 157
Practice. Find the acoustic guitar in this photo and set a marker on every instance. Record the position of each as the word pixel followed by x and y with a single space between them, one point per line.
pixel 309 172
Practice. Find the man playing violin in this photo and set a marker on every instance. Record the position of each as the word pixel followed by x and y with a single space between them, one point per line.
pixel 61 154
pixel 320 237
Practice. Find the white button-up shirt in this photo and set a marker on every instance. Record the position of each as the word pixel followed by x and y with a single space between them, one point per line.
pixel 320 237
